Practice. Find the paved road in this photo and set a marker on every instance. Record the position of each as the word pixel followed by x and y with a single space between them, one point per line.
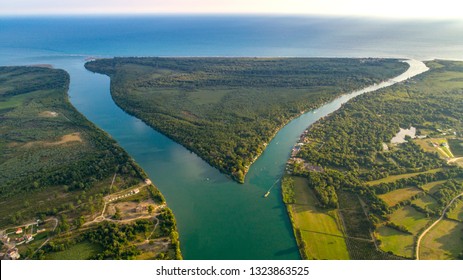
pixel 418 243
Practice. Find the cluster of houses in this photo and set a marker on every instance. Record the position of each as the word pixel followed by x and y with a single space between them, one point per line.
pixel 13 239
pixel 303 139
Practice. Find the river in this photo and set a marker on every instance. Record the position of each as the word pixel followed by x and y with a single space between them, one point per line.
pixel 217 217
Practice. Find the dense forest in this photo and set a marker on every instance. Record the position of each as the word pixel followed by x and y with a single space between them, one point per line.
pixel 353 151
pixel 227 109
pixel 53 161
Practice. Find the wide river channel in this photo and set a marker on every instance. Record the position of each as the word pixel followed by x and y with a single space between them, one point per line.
pixel 217 218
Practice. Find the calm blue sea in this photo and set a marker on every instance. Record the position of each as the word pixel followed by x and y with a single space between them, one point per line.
pixel 229 36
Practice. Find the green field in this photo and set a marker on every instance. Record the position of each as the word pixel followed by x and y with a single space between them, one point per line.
pixel 320 228
pixel 394 197
pixel 444 241
pixel 227 109
pixel 80 251
pixel 397 242
pixel 408 217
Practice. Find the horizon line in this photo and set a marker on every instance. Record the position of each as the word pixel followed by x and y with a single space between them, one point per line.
pixel 181 14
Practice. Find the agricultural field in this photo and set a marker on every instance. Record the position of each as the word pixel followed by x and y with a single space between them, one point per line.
pixel 404 187
pixel 227 109
pixel 444 241
pixel 56 170
pixel 320 229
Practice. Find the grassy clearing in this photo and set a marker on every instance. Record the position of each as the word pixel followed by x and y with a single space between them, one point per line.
pixel 320 228
pixel 426 201
pixel 396 196
pixel 444 241
pixel 413 220
pixel 457 212
pixel 433 186
pixel 80 251
pixel 397 242
pixel 393 178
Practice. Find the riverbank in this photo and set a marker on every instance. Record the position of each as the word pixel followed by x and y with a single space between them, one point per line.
pixel 57 165
pixel 328 199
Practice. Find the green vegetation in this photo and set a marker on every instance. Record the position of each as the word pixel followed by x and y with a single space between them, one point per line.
pixel 318 230
pixel 84 250
pixel 395 241
pixel 227 109
pixel 412 220
pixel 406 186
pixel 58 167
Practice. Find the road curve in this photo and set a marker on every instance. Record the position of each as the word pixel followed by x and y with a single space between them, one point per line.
pixel 433 224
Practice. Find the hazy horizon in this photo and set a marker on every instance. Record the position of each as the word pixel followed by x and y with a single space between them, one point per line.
pixel 394 9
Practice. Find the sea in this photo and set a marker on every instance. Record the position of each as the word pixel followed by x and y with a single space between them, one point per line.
pixel 231 36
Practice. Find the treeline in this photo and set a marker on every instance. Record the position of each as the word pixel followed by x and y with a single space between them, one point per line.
pixel 40 79
pixel 226 109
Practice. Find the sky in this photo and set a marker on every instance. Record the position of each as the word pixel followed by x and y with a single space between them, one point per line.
pixel 436 9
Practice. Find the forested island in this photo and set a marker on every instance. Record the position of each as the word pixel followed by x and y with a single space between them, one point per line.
pixel 370 180
pixel 226 110
pixel 67 190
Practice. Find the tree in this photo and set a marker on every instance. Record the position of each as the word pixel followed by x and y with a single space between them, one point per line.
pixel 150 209
pixel 117 215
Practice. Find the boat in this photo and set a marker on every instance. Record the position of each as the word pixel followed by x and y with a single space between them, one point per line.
pixel 265 195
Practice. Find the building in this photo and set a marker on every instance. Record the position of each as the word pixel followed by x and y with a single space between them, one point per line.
pixel 12 254
pixel 19 231
pixel 29 238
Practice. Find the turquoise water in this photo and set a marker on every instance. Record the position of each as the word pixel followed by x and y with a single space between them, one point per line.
pixel 217 218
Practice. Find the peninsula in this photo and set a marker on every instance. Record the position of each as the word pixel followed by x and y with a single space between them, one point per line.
pixel 226 110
